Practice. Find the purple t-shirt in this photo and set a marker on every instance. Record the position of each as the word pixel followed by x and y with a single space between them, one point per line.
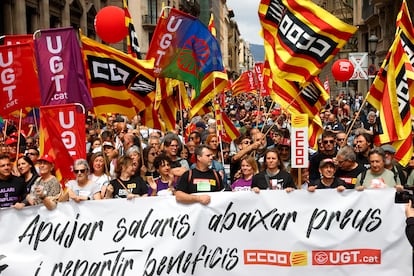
pixel 241 184
pixel 162 188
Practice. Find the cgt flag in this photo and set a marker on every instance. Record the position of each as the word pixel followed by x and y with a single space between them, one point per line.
pixel 61 73
pixel 132 39
pixel 118 82
pixel 62 136
pixel 184 49
pixel 300 37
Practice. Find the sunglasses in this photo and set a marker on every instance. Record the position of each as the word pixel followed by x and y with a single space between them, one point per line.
pixel 80 171
pixel 31 153
pixel 328 142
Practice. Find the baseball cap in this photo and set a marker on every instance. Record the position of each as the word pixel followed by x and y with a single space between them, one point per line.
pixel 285 142
pixel 11 140
pixel 388 148
pixel 108 144
pixel 47 158
pixel 326 161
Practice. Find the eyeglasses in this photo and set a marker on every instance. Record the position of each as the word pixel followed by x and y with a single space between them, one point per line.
pixel 31 153
pixel 328 142
pixel 340 139
pixel 80 171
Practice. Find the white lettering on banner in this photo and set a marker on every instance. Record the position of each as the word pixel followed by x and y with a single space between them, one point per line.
pixel 8 77
pixel 109 71
pixel 165 41
pixel 56 66
pixel 68 136
pixel 233 235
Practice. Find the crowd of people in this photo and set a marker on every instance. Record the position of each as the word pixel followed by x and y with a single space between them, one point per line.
pixel 126 159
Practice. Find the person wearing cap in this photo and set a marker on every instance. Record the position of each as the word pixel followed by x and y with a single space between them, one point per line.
pixel 46 189
pixel 328 179
pixel 284 149
pixel 392 165
pixel 377 176
pixel 327 151
pixel 12 188
pixel 11 144
pixel 111 155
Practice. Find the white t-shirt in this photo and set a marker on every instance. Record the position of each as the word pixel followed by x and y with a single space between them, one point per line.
pixel 88 191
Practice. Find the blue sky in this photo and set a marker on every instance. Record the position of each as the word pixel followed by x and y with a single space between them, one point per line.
pixel 245 14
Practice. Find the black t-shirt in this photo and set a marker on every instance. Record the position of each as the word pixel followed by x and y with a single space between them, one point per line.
pixel 135 185
pixel 199 181
pixel 279 181
pixel 350 177
pixel 12 190
pixel 336 183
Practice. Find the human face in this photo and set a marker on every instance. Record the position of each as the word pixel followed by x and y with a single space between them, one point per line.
pixel 23 166
pixel 81 172
pixel 155 142
pixel 245 143
pixel 109 151
pixel 164 168
pixel 388 158
pixel 377 163
pixel 96 144
pixel 213 143
pixel 205 160
pixel 29 143
pixel 327 171
pixel 260 137
pixel 5 168
pixel 284 153
pixel 272 160
pixel 184 153
pixel 328 144
pixel 32 154
pixel 361 144
pixel 135 157
pixel 195 139
pixel 246 169
pixel 172 149
pixel 152 154
pixel 340 139
pixel 98 164
pixel 343 163
pixel 45 167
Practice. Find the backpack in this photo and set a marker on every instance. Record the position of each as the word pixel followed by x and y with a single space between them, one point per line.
pixel 190 175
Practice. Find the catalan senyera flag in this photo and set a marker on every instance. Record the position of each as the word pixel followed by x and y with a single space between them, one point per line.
pixel 300 37
pixel 230 131
pixel 390 95
pixel 213 84
pixel 212 26
pixel 184 49
pixel 246 83
pixel 118 82
pixel 132 38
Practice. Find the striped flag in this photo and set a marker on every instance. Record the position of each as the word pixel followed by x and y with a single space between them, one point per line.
pixel 300 37
pixel 211 26
pixel 132 39
pixel 244 84
pixel 118 82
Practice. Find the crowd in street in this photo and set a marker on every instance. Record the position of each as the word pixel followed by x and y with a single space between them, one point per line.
pixel 126 159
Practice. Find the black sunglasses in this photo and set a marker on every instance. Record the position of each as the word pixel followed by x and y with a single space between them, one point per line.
pixel 80 171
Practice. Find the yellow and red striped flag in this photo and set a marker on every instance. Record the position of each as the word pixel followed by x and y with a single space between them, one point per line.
pixel 132 38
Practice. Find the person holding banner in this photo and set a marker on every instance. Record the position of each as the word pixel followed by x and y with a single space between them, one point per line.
pixel 12 188
pixel 200 179
pixel 99 171
pixel 126 185
pixel 248 170
pixel 328 180
pixel 82 188
pixel 274 176
pixel 164 184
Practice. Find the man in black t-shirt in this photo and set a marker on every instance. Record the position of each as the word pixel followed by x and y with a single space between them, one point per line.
pixel 198 180
pixel 348 167
pixel 12 188
pixel 328 180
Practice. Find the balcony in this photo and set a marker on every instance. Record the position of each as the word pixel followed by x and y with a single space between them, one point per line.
pixel 149 21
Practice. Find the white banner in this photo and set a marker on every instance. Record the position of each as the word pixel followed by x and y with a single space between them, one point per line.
pixel 238 233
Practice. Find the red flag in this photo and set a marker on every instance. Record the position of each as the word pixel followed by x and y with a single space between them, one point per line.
pixel 258 68
pixel 244 84
pixel 18 82
pixel 62 136
pixel 17 39
pixel 326 85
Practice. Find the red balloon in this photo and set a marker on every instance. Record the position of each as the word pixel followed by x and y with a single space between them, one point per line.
pixel 342 69
pixel 110 24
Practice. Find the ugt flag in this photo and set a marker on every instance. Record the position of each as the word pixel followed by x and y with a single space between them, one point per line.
pixel 184 49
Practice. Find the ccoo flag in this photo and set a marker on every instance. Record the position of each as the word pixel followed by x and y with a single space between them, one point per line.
pixel 300 37
pixel 184 49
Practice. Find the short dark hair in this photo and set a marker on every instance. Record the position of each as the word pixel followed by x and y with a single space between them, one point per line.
pixel 199 149
pixel 161 159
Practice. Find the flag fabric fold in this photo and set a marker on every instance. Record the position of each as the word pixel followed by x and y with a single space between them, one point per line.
pixel 300 37
pixel 132 38
pixel 246 83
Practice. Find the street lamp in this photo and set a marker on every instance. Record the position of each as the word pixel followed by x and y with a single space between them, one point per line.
pixel 372 47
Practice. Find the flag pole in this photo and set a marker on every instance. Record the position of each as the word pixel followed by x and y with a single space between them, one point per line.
pixel 181 112
pixel 18 133
pixel 356 116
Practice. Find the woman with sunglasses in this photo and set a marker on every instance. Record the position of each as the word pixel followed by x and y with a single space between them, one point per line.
pixel 82 188
pixel 149 154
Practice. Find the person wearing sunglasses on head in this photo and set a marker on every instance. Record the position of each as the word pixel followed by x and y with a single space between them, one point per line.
pixel 327 151
pixel 245 146
pixel 82 188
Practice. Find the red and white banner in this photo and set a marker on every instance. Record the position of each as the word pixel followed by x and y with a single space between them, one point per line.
pixel 299 143
pixel 258 68
pixel 62 136
pixel 18 79
pixel 238 233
